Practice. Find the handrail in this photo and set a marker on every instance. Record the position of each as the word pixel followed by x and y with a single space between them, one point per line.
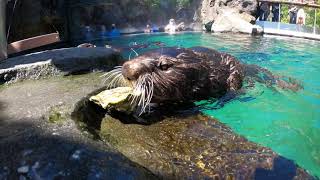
pixel 33 42
pixel 292 3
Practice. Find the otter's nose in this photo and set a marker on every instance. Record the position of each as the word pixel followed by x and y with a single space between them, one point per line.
pixel 133 69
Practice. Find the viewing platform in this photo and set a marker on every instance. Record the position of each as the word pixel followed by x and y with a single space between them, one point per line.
pixel 298 30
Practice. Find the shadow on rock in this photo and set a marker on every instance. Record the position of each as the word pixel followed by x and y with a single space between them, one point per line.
pixel 282 169
pixel 2 114
pixel 36 153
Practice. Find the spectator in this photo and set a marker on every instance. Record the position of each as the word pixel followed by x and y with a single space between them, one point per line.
pixel 264 11
pixel 88 33
pixel 148 29
pixel 155 28
pixel 293 14
pixel 301 17
pixel 275 12
pixel 171 27
pixel 104 31
pixel 114 31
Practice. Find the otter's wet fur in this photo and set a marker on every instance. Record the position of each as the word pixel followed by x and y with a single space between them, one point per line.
pixel 188 74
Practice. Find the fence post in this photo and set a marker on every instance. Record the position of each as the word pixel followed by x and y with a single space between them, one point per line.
pixel 315 21
pixel 3 39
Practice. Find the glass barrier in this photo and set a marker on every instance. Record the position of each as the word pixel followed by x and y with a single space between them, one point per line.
pixel 288 27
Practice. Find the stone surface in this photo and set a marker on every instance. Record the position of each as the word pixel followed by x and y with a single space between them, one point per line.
pixel 212 8
pixel 58 62
pixel 55 149
pixel 232 21
pixel 182 144
pixel 196 147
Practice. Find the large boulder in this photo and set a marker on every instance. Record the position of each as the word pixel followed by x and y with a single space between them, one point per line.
pixel 232 21
pixel 212 8
pixel 58 62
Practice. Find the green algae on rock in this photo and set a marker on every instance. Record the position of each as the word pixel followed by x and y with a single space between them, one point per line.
pixel 58 114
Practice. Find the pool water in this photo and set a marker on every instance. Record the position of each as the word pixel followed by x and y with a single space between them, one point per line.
pixel 288 122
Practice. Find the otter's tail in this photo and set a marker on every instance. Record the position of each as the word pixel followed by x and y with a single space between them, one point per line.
pixel 262 75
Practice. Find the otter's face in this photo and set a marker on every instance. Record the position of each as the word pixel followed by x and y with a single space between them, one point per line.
pixel 159 76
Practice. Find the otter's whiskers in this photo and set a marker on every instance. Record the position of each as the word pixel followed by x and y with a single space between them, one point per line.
pixel 143 88
pixel 115 78
pixel 142 93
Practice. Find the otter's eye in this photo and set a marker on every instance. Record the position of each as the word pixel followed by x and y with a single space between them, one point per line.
pixel 164 66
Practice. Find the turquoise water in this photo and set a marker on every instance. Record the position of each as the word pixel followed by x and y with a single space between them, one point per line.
pixel 285 121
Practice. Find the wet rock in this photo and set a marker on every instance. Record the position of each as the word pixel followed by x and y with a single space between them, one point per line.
pixel 195 147
pixel 58 62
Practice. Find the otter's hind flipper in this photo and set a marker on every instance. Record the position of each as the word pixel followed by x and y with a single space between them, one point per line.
pixel 264 76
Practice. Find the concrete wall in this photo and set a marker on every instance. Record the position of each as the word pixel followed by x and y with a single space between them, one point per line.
pixel 3 42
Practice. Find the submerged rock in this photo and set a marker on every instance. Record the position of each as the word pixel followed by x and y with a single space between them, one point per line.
pixel 196 147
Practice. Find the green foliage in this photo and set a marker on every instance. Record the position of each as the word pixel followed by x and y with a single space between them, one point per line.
pixel 285 14
pixel 183 3
pixel 177 3
pixel 310 17
pixel 153 3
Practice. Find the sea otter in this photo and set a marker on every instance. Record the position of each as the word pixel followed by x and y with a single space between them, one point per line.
pixel 175 74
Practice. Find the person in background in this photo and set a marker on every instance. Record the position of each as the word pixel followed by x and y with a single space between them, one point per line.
pixel 171 27
pixel 301 17
pixel 275 12
pixel 114 31
pixel 181 27
pixel 88 33
pixel 264 11
pixel 103 32
pixel 148 29
pixel 155 28
pixel 293 14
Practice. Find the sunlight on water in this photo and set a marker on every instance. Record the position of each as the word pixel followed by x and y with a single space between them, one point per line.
pixel 285 121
